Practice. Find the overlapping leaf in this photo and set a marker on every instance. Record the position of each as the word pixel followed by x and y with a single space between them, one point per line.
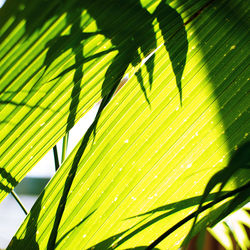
pixel 233 227
pixel 151 157
pixel 53 62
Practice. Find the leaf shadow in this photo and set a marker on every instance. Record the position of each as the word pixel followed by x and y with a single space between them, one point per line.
pixel 31 227
pixel 239 161
pixel 163 211
pixel 23 104
pixel 9 178
pixel 135 37
pixel 73 228
pixel 29 237
pixel 230 74
pixel 129 29
pixel 213 182
pixel 226 49
pixel 175 42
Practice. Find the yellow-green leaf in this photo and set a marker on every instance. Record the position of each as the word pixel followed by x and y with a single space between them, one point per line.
pixel 144 164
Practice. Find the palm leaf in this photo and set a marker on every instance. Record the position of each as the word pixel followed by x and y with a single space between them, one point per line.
pixel 233 226
pixel 145 161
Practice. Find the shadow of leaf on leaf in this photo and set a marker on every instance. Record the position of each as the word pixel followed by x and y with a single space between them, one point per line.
pixel 129 28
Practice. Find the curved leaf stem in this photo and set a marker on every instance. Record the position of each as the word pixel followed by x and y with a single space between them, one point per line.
pixel 19 201
pixel 64 146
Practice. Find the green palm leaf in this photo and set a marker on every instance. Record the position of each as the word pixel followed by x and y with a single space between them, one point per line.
pixel 144 163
